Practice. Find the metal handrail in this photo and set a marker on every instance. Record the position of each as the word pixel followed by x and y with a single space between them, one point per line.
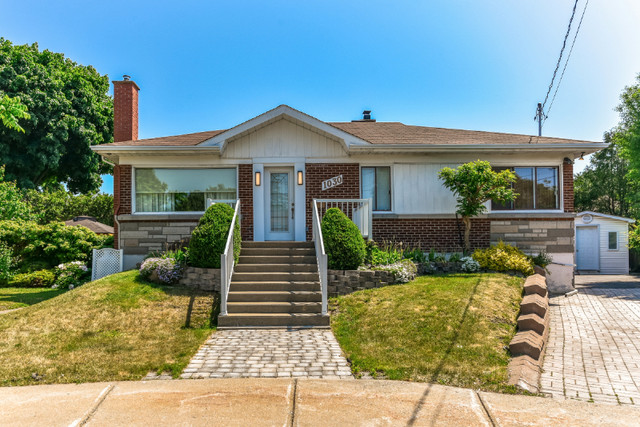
pixel 321 256
pixel 227 261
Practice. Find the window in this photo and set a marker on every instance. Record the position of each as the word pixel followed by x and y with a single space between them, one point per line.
pixel 537 188
pixel 376 185
pixel 613 240
pixel 183 190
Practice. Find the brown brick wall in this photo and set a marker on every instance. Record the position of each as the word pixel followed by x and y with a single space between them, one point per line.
pixel 441 234
pixel 125 111
pixel 567 186
pixel 121 195
pixel 245 193
pixel 315 173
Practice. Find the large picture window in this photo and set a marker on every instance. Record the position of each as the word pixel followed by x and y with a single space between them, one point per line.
pixel 537 188
pixel 376 185
pixel 183 190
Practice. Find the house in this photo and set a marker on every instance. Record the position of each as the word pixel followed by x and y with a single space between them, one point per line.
pixel 278 162
pixel 602 243
pixel 91 223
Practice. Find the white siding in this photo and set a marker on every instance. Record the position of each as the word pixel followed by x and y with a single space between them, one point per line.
pixel 613 261
pixel 284 138
pixel 418 190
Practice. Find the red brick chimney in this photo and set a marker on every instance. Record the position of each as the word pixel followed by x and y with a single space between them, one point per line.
pixel 125 110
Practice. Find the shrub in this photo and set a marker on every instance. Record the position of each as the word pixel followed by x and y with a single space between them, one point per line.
pixel 168 270
pixel 504 257
pixel 542 259
pixel 389 254
pixel 416 255
pixel 61 205
pixel 403 271
pixel 6 264
pixel 343 242
pixel 469 265
pixel 49 244
pixel 148 266
pixel 71 274
pixel 37 279
pixel 210 237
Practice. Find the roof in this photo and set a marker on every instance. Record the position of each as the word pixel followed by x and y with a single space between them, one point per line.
pixel 618 218
pixel 185 140
pixel 91 223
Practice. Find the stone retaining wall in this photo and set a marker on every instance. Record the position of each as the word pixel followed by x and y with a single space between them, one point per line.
pixel 343 282
pixel 528 345
pixel 205 279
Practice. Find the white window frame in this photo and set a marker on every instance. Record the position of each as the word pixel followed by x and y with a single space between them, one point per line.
pixel 133 188
pixel 617 248
pixel 391 181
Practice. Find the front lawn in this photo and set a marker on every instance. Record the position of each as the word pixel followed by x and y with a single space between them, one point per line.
pixel 116 328
pixel 11 298
pixel 452 329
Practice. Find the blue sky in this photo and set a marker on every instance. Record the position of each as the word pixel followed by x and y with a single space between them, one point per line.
pixel 455 63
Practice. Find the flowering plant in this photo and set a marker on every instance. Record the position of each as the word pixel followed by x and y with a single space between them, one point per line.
pixel 167 270
pixel 403 271
pixel 469 265
pixel 71 274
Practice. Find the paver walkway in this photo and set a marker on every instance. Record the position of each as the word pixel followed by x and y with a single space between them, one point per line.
pixel 311 353
pixel 593 351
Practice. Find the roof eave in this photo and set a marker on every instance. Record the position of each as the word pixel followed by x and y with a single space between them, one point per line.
pixel 586 147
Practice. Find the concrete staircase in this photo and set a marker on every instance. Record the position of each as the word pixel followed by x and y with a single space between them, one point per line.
pixel 276 285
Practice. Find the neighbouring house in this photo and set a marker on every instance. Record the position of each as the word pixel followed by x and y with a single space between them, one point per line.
pixel 384 174
pixel 91 223
pixel 602 243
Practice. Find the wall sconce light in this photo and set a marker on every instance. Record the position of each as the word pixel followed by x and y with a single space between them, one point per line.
pixel 258 179
pixel 300 178
pixel 581 156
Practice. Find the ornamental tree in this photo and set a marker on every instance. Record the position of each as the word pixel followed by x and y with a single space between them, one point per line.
pixel 474 184
pixel 69 110
pixel 12 110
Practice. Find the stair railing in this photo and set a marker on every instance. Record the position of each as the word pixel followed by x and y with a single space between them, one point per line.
pixel 227 261
pixel 321 256
pixel 358 210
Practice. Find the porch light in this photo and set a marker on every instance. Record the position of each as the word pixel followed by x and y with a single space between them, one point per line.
pixel 258 179
pixel 300 178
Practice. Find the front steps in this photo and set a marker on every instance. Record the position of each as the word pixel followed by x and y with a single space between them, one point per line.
pixel 275 285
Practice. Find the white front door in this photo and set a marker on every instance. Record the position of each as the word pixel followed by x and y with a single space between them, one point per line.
pixel 279 208
pixel 587 248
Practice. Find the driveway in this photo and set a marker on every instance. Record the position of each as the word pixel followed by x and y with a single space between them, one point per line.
pixel 593 352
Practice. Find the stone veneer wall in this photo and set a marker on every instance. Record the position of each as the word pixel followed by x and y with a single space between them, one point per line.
pixel 143 236
pixel 343 282
pixel 534 235
pixel 205 279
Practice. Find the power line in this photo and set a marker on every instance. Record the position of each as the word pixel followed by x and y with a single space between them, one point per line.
pixel 567 61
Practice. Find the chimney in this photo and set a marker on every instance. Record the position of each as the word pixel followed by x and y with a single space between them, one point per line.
pixel 125 109
pixel 366 117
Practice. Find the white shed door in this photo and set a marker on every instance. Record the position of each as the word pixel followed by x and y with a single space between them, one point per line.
pixel 587 248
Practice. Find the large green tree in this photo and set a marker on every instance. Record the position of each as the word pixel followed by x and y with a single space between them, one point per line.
pixel 605 186
pixel 69 109
pixel 627 134
pixel 11 111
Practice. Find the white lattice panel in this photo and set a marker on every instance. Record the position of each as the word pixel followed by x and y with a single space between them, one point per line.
pixel 105 262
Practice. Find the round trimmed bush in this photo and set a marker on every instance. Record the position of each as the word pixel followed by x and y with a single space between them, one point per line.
pixel 210 236
pixel 343 242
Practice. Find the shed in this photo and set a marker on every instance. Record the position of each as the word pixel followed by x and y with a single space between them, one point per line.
pixel 91 223
pixel 602 243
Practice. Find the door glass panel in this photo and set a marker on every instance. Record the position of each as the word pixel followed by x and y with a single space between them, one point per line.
pixel 280 202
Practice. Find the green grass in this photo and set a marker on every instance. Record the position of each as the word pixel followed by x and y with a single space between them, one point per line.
pixel 12 298
pixel 451 329
pixel 116 328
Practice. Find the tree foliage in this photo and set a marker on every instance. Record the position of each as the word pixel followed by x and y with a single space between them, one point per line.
pixel 12 110
pixel 604 186
pixel 69 109
pixel 12 205
pixel 61 205
pixel 474 184
pixel 627 135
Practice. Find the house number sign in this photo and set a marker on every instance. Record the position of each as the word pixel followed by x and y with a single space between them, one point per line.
pixel 331 182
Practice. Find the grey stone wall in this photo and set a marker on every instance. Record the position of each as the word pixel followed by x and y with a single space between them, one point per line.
pixel 533 236
pixel 142 237
pixel 206 279
pixel 343 282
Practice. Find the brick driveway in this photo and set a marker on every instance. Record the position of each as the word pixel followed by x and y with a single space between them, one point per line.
pixel 593 351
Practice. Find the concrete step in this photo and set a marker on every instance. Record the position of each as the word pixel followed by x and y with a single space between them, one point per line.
pixel 272 320
pixel 277 259
pixel 274 296
pixel 277 251
pixel 274 286
pixel 276 268
pixel 274 277
pixel 274 307
pixel 277 244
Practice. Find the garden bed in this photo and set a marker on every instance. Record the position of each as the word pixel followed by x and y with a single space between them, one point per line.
pixel 451 329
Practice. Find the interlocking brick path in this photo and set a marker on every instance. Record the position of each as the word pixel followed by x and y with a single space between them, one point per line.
pixel 593 351
pixel 311 353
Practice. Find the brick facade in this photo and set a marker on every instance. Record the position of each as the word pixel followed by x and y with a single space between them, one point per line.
pixel 567 186
pixel 121 196
pixel 441 234
pixel 125 111
pixel 245 193
pixel 315 173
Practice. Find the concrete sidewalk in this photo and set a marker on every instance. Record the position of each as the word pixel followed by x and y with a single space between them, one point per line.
pixel 286 402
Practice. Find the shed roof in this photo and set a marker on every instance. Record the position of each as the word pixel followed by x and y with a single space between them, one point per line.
pixel 617 218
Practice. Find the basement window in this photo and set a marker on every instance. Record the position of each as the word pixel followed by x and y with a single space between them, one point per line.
pixel 183 190
pixel 537 189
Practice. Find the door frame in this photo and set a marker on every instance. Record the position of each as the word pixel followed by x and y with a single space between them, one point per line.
pixel 268 234
pixel 597 228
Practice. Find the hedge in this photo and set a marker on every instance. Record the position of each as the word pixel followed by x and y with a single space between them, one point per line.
pixel 209 237
pixel 343 242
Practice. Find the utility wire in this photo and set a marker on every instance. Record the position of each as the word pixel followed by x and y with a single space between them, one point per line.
pixel 566 62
